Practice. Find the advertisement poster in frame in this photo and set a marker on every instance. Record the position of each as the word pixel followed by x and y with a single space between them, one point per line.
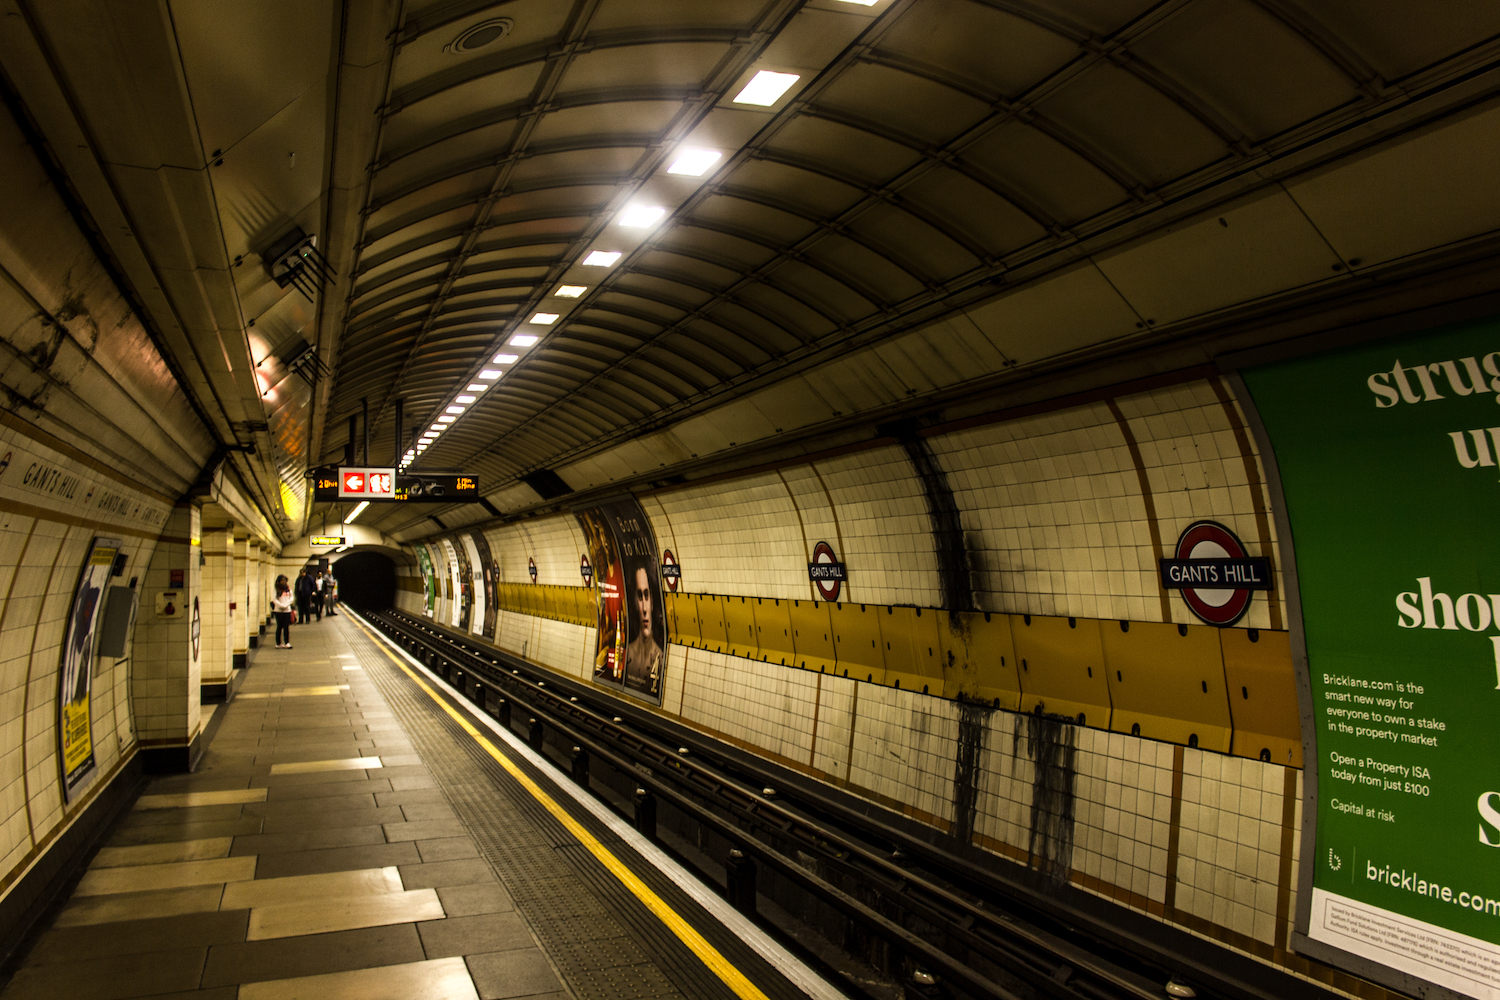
pixel 487 607
pixel 429 583
pixel 1387 465
pixel 75 684
pixel 632 631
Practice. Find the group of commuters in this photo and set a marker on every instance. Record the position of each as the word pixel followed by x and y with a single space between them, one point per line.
pixel 313 595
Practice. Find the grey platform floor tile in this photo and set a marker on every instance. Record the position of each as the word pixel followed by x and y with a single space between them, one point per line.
pixel 199 814
pixel 325 789
pixel 412 783
pixel 440 979
pixel 307 840
pixel 287 958
pixel 134 937
pixel 337 859
pixel 410 796
pixel 418 811
pixel 163 833
pixel 446 849
pixel 430 829
pixel 476 897
pixel 139 905
pixel 109 978
pixel 444 873
pixel 475 934
pixel 321 820
pixel 304 807
pixel 499 975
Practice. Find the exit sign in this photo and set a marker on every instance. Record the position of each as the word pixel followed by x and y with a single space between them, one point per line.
pixel 326 540
pixel 367 484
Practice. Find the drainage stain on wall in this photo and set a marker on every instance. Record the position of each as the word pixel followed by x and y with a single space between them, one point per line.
pixel 1051 743
pixel 973 725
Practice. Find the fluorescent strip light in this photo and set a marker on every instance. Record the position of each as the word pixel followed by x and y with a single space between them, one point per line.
pixel 766 88
pixel 601 258
pixel 696 162
pixel 543 319
pixel 356 511
pixel 570 291
pixel 523 340
pixel 437 428
pixel 455 410
pixel 490 373
pixel 505 359
pixel 641 216
pixel 476 387
pixel 464 399
pixel 446 420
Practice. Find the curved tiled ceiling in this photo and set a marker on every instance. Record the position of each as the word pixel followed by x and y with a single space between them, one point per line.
pixel 929 149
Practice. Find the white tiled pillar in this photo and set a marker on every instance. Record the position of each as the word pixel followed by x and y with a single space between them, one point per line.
pixel 218 593
pixel 240 616
pixel 167 671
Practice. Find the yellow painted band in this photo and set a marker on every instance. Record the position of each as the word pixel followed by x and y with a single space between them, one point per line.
pixel 686 933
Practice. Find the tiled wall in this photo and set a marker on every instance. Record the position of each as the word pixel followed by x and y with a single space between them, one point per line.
pixel 1064 513
pixel 47 528
pixel 217 593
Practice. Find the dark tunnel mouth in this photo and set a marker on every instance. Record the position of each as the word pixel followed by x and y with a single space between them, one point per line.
pixel 367 580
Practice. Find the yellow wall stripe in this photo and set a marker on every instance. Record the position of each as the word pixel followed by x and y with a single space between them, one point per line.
pixel 686 933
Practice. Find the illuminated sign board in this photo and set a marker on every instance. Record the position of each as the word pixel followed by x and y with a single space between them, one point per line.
pixel 367 484
pixel 326 540
pixel 331 487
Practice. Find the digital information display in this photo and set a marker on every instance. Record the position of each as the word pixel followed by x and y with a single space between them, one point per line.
pixel 326 540
pixel 1389 457
pixel 333 487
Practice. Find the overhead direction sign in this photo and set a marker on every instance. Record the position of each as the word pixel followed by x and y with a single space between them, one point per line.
pixel 330 487
pixel 326 540
pixel 367 484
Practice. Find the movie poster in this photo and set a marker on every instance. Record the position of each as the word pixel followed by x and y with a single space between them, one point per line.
pixel 478 586
pixel 455 600
pixel 74 735
pixel 490 576
pixel 465 583
pixel 429 583
pixel 632 633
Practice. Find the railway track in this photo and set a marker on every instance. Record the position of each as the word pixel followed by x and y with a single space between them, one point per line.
pixel 966 929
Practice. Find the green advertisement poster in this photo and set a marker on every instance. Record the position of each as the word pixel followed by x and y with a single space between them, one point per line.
pixel 429 585
pixel 1389 456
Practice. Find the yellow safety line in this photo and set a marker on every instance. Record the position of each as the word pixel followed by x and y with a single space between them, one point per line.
pixel 686 933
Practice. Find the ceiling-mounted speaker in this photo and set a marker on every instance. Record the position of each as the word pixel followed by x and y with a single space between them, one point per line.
pixel 294 259
pixel 479 35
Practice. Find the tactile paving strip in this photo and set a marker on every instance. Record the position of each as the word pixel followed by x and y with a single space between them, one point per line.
pixel 559 888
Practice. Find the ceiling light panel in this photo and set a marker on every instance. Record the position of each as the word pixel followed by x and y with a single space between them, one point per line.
pixel 766 88
pixel 601 258
pixel 476 387
pixel 570 291
pixel 523 340
pixel 490 373
pixel 446 420
pixel 455 410
pixel 641 216
pixel 466 399
pixel 544 319
pixel 694 162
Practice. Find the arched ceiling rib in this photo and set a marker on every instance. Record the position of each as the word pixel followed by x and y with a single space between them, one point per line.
pixel 935 148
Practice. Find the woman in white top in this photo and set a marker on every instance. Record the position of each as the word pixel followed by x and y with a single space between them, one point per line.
pixel 282 606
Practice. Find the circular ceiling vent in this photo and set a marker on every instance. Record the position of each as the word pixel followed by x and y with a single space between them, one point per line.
pixel 479 35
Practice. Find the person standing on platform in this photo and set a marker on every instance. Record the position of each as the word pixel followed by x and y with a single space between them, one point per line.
pixel 281 607
pixel 333 593
pixel 304 591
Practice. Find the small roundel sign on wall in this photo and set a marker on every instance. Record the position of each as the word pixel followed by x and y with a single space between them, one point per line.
pixel 531 568
pixel 584 570
pixel 826 572
pixel 671 572
pixel 1215 575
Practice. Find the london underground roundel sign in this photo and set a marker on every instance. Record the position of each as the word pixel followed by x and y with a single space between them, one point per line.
pixel 1214 573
